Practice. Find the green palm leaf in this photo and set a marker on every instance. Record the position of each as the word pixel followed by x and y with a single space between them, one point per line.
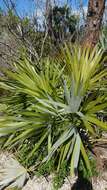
pixel 67 94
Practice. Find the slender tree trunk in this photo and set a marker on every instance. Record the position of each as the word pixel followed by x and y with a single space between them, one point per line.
pixel 49 16
pixel 93 23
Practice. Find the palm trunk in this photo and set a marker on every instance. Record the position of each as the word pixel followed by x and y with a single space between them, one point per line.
pixel 93 23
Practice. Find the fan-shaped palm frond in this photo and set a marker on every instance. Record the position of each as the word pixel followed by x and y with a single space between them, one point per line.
pixel 65 96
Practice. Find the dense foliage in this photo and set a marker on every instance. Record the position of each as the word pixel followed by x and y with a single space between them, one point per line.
pixel 57 107
pixel 62 24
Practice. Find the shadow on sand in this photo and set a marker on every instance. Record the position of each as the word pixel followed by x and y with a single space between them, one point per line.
pixel 82 184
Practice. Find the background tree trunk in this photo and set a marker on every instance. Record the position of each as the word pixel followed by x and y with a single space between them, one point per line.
pixel 48 16
pixel 93 23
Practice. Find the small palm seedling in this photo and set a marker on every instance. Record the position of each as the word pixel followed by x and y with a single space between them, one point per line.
pixel 59 103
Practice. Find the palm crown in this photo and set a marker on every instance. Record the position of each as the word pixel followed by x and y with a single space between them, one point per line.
pixel 55 103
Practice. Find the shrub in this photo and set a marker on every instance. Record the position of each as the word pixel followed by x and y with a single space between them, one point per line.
pixel 58 106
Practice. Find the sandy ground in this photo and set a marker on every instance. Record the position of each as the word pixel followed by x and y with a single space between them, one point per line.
pixel 99 183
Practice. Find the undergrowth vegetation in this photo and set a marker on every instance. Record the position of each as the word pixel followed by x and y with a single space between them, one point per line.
pixel 53 113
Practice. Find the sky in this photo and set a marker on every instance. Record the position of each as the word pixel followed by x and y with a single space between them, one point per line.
pixel 28 7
